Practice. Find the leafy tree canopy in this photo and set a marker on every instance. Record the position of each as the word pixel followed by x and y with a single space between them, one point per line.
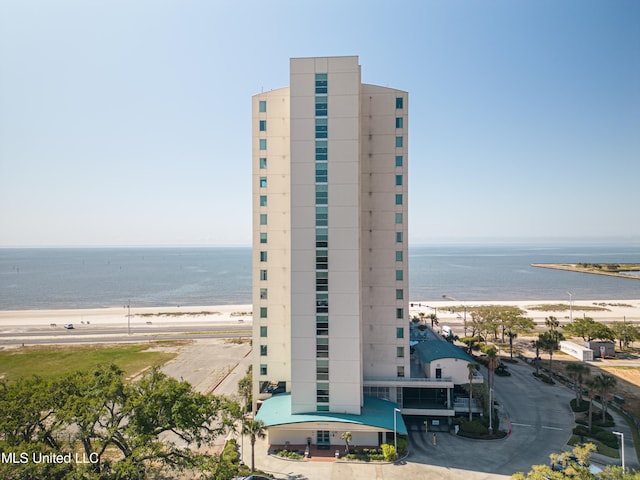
pixel 125 429
pixel 589 329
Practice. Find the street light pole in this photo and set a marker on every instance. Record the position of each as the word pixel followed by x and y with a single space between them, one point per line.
pixel 570 306
pixel 464 307
pixel 395 430
pixel 621 435
pixel 129 317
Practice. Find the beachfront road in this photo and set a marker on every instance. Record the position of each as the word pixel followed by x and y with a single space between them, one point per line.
pixel 121 333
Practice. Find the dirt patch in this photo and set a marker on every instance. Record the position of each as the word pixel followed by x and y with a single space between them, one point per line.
pixel 628 386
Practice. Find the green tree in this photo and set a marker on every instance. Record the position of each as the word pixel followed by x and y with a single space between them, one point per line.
pixel 471 371
pixel 577 372
pixel 588 329
pixel 434 319
pixel 575 465
pixel 625 333
pixel 552 323
pixel 100 412
pixel 255 429
pixel 513 324
pixel 604 384
pixel 245 388
pixel 548 341
pixel 346 436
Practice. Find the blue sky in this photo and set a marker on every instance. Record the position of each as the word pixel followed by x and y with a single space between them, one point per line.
pixel 129 123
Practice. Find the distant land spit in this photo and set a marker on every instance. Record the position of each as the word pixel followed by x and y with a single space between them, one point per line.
pixel 609 269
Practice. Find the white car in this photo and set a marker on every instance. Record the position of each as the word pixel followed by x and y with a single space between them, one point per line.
pixel 68 326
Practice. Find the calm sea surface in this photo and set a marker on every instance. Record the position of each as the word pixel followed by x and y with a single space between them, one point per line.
pixel 106 277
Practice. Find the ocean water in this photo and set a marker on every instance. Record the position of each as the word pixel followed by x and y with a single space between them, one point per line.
pixel 109 277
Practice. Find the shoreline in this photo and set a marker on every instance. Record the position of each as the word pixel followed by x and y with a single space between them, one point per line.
pixel 616 310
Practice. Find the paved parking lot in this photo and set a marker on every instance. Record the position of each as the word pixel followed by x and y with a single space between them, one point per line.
pixel 541 424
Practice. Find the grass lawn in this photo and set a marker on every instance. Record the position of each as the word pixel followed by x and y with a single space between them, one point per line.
pixel 601 448
pixel 52 361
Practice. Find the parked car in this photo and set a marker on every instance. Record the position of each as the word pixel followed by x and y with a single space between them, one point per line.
pixel 68 326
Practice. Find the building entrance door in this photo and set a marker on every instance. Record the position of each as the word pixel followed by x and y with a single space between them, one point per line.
pixel 323 437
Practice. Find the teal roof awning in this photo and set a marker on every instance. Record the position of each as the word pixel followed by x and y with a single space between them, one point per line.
pixel 374 413
pixel 436 349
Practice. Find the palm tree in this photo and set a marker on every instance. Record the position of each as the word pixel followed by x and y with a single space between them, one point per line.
pixel 577 371
pixel 492 355
pixel 552 323
pixel 255 429
pixel 434 319
pixel 346 436
pixel 591 385
pixel 536 344
pixel 472 368
pixel 549 341
pixel 603 384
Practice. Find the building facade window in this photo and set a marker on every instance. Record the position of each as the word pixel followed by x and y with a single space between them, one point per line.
pixel 263 369
pixel 263 256
pixel 262 106
pixel 263 219
pixel 321 172
pixel 263 274
pixel 263 200
pixel 321 83
pixel 263 331
pixel 398 199
pixel 400 371
pixel 398 160
pixel 322 281
pixel 400 352
pixel 263 294
pixel 399 256
pixel 399 122
pixel 399 142
pixel 398 180
pixel 263 144
pixel 399 102
pixel 263 312
pixel 263 350
pixel 398 218
pixel 263 163
pixel 399 332
pixel 322 237
pixel 321 128
pixel 399 313
pixel 263 125
pixel 321 106
pixel 263 182
pixel 399 274
pixel 322 216
pixel 322 369
pixel 399 294
pixel 322 392
pixel 263 237
pixel 322 325
pixel 398 237
pixel 322 347
pixel 322 195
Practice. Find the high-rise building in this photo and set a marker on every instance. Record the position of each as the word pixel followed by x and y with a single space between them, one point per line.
pixel 330 258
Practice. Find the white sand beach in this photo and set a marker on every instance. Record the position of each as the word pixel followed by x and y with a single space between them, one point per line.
pixel 613 311
pixel 219 314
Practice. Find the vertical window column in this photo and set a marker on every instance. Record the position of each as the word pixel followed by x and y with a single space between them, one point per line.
pixel 262 166
pixel 322 241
